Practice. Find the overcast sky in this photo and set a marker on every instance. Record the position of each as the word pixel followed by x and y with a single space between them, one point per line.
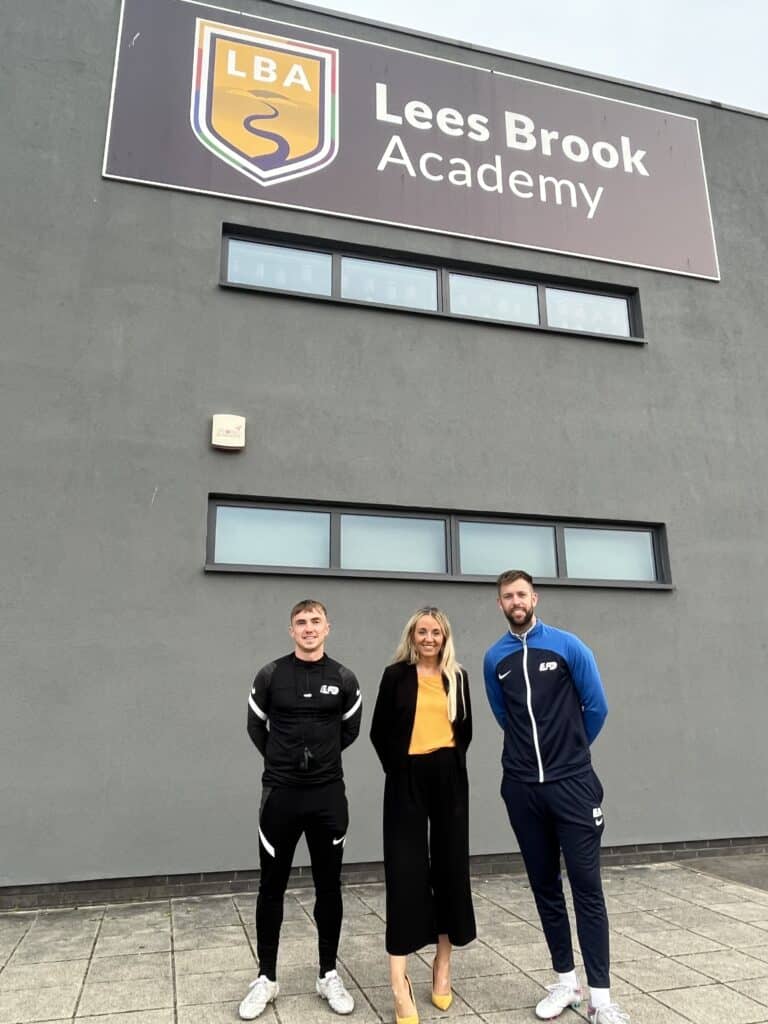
pixel 712 49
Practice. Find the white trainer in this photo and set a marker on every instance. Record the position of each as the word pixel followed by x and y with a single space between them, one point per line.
pixel 559 997
pixel 260 992
pixel 611 1014
pixel 331 987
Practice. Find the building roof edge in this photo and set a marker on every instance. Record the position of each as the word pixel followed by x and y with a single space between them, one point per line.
pixel 533 61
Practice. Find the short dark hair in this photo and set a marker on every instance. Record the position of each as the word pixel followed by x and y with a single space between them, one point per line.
pixel 306 606
pixel 510 575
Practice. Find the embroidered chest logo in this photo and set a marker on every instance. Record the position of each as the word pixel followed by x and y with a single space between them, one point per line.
pixel 547 666
pixel 264 104
pixel 328 689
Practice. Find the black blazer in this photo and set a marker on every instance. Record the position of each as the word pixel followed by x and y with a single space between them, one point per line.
pixel 395 711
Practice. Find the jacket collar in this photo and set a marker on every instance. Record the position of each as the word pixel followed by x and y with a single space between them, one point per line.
pixel 531 634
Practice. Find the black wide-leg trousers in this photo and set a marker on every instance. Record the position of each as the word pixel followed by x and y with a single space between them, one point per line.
pixel 566 815
pixel 426 852
pixel 321 814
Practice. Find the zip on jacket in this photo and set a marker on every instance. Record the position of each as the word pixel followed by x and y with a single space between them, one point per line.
pixel 545 691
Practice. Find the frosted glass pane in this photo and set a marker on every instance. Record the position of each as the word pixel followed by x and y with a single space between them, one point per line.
pixel 609 554
pixel 388 283
pixel 266 536
pixel 392 543
pixel 494 300
pixel 579 311
pixel 489 548
pixel 275 266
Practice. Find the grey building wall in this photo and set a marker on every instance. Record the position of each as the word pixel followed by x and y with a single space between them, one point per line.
pixel 125 669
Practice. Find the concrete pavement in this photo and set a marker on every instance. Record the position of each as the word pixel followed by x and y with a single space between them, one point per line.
pixel 686 947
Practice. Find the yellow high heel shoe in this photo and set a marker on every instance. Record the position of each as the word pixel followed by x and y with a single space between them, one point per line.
pixel 414 1017
pixel 441 1002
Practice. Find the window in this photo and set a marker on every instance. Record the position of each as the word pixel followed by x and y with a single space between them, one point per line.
pixel 271 536
pixel 609 554
pixel 486 549
pixel 264 535
pixel 275 266
pixel 590 314
pixel 388 284
pixel 494 300
pixel 319 270
pixel 393 543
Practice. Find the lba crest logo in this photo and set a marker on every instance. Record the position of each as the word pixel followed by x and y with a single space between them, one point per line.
pixel 264 104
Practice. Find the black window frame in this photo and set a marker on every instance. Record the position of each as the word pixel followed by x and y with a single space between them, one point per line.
pixel 451 518
pixel 443 269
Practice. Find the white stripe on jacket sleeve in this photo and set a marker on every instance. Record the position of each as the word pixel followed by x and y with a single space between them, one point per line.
pixel 353 709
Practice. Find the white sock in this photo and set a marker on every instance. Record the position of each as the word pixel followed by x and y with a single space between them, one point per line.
pixel 569 979
pixel 599 997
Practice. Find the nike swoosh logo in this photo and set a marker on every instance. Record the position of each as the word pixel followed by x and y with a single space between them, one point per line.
pixel 505 674
pixel 337 841
pixel 598 821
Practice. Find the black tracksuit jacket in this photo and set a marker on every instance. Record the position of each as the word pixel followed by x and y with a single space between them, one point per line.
pixel 301 715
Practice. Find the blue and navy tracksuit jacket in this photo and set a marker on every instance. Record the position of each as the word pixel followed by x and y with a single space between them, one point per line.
pixel 546 693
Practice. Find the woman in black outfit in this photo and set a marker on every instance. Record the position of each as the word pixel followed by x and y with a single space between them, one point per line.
pixel 422 726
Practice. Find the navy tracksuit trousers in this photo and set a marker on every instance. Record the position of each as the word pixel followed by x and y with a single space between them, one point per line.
pixel 550 817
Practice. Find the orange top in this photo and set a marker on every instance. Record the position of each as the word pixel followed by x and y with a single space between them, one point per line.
pixel 432 728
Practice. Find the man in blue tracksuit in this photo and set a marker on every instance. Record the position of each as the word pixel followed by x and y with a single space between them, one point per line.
pixel 545 692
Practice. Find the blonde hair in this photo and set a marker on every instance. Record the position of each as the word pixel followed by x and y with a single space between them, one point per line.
pixel 446 661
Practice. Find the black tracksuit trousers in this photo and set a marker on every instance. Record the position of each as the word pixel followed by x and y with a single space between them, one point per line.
pixel 426 852
pixel 566 815
pixel 320 813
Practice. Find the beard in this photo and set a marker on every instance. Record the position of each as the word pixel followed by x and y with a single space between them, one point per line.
pixel 519 624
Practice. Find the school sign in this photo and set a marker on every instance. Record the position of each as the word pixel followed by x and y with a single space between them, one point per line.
pixel 221 102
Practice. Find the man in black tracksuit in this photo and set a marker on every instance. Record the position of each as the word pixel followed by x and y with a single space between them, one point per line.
pixel 303 710
pixel 545 691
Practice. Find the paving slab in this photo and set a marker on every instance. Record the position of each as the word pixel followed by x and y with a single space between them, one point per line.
pixel 23 1005
pixel 742 910
pixel 475 961
pixel 153 921
pixel 505 992
pixel 624 948
pixel 676 941
pixel 645 1009
pixel 532 956
pixel 751 868
pixel 659 974
pixel 633 922
pixel 219 987
pixel 726 965
pixel 755 988
pixel 131 968
pixel 733 933
pixel 506 930
pixel 119 996
pixel 140 941
pixel 311 1009
pixel 714 1004
pixel 45 950
pixel 217 1013
pixel 207 938
pixel 71 916
pixel 373 971
pixel 220 958
pixel 360 924
pixel 45 975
